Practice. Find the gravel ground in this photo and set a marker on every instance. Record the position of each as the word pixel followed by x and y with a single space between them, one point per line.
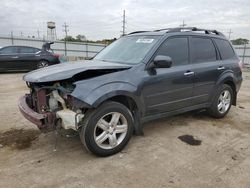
pixel 218 156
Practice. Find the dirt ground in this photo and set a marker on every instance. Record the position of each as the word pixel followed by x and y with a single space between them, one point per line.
pixel 219 156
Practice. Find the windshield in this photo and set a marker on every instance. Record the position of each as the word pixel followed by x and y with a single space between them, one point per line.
pixel 128 50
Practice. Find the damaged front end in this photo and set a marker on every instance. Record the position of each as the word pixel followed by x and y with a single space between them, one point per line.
pixel 51 105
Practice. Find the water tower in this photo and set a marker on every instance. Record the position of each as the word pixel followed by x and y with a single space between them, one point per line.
pixel 51 31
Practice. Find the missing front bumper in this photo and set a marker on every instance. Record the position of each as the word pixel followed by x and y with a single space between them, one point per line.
pixel 45 122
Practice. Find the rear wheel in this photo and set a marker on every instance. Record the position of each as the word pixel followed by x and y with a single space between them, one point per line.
pixel 107 129
pixel 222 102
pixel 42 63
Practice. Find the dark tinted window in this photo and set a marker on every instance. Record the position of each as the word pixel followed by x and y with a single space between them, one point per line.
pixel 9 50
pixel 177 49
pixel 28 50
pixel 203 50
pixel 225 49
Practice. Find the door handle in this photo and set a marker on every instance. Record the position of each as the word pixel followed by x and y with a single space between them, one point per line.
pixel 221 68
pixel 14 57
pixel 188 73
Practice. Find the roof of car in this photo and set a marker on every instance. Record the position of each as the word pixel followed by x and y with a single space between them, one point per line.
pixel 181 30
pixel 20 46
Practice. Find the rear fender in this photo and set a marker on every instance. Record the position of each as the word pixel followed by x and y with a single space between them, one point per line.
pixel 225 78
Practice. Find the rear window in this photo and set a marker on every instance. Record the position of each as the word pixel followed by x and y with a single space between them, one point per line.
pixel 202 50
pixel 226 50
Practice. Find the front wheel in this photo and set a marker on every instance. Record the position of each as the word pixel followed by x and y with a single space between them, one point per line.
pixel 222 102
pixel 42 63
pixel 107 129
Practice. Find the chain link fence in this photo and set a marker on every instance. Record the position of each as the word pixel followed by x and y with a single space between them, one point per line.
pixel 82 50
pixel 72 50
pixel 243 52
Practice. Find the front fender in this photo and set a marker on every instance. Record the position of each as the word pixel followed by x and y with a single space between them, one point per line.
pixel 95 96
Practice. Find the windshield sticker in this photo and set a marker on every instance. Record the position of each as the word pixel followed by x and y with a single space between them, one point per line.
pixel 144 40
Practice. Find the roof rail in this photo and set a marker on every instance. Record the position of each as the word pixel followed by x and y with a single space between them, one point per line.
pixel 176 29
pixel 137 32
pixel 180 29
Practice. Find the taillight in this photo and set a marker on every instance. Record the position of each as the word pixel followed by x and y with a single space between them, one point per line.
pixel 240 65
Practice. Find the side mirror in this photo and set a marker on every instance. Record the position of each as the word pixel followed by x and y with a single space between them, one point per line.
pixel 161 61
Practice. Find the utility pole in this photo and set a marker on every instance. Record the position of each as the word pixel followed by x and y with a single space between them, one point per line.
pixel 38 33
pixel 183 24
pixel 12 37
pixel 244 53
pixel 123 23
pixel 65 29
pixel 229 34
pixel 44 38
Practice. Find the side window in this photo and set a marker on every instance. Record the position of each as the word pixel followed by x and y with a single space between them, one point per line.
pixel 28 50
pixel 226 50
pixel 202 50
pixel 9 50
pixel 177 49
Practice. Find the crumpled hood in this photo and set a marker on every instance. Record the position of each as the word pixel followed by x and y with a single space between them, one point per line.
pixel 64 71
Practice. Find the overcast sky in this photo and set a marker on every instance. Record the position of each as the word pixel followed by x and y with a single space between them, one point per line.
pixel 97 19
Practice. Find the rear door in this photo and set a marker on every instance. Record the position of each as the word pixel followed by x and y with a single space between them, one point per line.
pixel 169 89
pixel 206 66
pixel 9 58
pixel 229 59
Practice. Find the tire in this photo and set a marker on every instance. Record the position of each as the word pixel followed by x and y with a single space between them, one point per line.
pixel 107 129
pixel 42 63
pixel 222 102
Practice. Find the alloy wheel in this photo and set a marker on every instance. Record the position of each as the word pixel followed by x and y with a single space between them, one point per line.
pixel 42 64
pixel 224 101
pixel 110 130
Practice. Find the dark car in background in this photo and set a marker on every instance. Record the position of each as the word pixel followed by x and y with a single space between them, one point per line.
pixel 25 58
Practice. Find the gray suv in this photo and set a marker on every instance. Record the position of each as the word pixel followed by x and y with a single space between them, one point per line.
pixel 142 76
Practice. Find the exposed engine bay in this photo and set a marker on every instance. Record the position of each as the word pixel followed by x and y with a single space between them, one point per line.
pixel 55 101
pixel 50 96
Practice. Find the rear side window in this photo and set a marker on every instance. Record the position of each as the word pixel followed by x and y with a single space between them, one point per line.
pixel 9 50
pixel 28 50
pixel 226 50
pixel 202 50
pixel 177 49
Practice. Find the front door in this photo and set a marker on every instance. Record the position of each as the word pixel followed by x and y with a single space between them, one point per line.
pixel 9 58
pixel 169 89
